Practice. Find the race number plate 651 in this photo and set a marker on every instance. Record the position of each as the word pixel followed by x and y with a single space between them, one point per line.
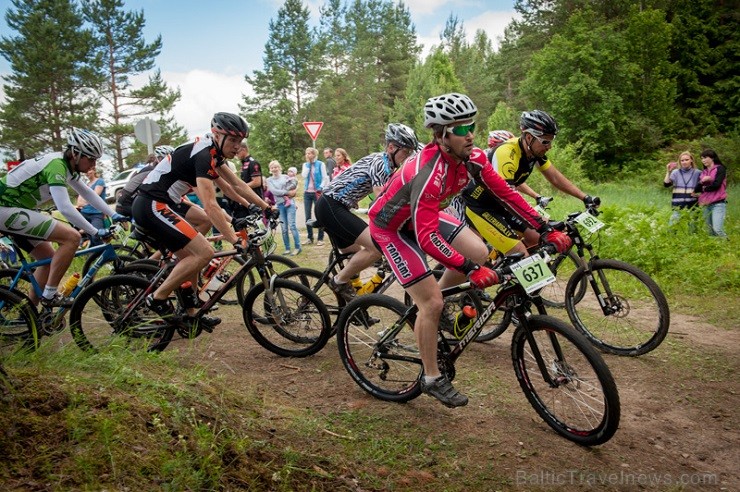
pixel 533 273
pixel 591 223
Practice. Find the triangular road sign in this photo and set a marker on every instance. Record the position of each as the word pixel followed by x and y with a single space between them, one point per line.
pixel 313 128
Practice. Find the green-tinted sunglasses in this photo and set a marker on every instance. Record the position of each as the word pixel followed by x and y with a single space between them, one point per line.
pixel 462 130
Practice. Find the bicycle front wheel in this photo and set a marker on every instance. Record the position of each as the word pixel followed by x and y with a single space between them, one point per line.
pixel 386 367
pixel 563 266
pixel 631 319
pixel 278 265
pixel 18 324
pixel 577 397
pixel 111 311
pixel 288 319
pixel 125 254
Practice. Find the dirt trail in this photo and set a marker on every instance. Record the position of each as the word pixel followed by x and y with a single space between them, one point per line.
pixel 679 425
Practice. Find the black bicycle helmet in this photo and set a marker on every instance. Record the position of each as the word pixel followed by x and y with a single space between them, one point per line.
pixel 230 124
pixel 447 109
pixel 401 135
pixel 538 123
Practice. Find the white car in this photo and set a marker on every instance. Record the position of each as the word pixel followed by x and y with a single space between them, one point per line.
pixel 118 182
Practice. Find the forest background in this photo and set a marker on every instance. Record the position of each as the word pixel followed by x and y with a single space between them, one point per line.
pixel 631 84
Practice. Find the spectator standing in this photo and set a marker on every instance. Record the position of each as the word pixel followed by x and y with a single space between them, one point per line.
pixel 314 175
pixel 251 174
pixel 90 213
pixel 342 162
pixel 683 177
pixel 329 162
pixel 713 188
pixel 283 188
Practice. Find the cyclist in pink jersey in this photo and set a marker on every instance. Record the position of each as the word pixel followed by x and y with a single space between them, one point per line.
pixel 407 224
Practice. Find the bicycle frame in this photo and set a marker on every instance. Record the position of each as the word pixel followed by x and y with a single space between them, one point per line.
pixel 511 296
pixel 256 259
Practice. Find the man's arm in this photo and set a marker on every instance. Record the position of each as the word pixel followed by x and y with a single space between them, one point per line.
pixel 239 191
pixel 206 191
pixel 525 189
pixel 60 196
pixel 562 183
pixel 92 198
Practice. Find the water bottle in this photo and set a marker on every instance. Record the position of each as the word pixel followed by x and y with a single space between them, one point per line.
pixel 189 299
pixel 356 282
pixel 211 268
pixel 373 283
pixel 70 285
pixel 464 321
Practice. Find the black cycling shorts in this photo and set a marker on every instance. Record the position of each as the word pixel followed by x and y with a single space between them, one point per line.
pixel 166 224
pixel 339 222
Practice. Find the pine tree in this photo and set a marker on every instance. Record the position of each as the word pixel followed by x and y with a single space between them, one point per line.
pixel 126 54
pixel 55 72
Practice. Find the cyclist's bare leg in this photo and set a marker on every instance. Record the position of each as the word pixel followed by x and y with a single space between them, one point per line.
pixel 41 274
pixel 198 218
pixel 428 297
pixel 191 260
pixel 363 258
pixel 470 245
pixel 531 238
pixel 68 240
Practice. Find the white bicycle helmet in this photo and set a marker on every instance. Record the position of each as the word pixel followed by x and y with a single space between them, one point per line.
pixel 163 150
pixel 447 109
pixel 85 142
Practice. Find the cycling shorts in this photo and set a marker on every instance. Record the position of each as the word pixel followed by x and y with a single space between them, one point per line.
pixel 401 249
pixel 343 226
pixel 28 227
pixel 494 228
pixel 164 223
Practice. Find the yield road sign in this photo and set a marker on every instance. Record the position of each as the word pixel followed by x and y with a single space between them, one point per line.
pixel 313 128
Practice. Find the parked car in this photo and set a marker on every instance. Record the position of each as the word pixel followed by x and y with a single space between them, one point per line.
pixel 118 182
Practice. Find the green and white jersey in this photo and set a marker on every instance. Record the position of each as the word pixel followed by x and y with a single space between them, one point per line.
pixel 27 185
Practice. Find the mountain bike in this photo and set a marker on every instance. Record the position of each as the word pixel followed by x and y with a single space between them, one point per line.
pixel 562 375
pixel 283 316
pixel 617 306
pixel 21 281
pixel 382 280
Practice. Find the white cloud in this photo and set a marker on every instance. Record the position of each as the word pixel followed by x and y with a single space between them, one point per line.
pixel 204 93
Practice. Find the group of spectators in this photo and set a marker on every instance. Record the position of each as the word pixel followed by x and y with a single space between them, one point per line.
pixel 693 188
pixel 281 190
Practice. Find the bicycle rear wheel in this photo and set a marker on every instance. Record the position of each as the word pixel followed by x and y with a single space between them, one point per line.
pixel 389 370
pixel 18 324
pixel 477 298
pixel 289 319
pixel 312 279
pixel 637 316
pixel 111 311
pixel 582 402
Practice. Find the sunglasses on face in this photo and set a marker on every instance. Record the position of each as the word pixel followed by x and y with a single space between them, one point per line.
pixel 542 141
pixel 462 130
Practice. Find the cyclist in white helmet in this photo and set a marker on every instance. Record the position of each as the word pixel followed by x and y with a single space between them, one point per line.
pixel 36 181
pixel 333 210
pixel 407 225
